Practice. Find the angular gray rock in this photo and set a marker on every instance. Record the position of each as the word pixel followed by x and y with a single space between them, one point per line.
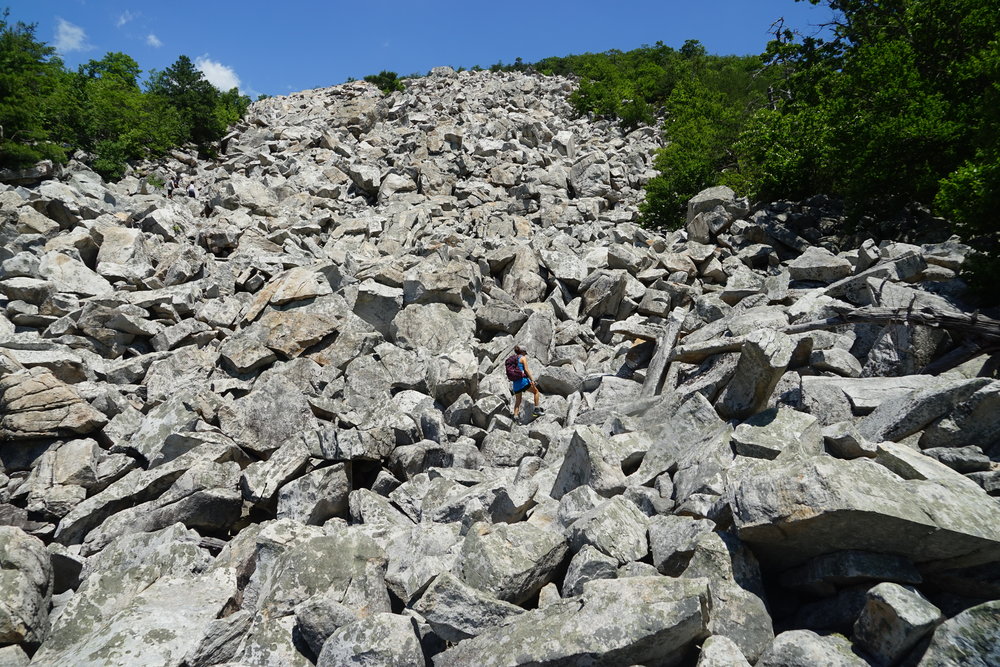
pixel 970 638
pixel 739 606
pixel 590 460
pixel 776 432
pixel 894 620
pixel 25 588
pixel 418 555
pixel 588 564
pixel 764 357
pixel 859 504
pixel 317 496
pixel 905 415
pixel 139 486
pixel 379 639
pixel 616 527
pixel 804 648
pixel 720 651
pixel 304 366
pixel 638 620
pixel 147 597
pixel 457 611
pixel 672 541
pixel 35 404
pixel 511 562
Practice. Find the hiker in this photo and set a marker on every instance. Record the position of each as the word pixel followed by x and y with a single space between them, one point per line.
pixel 170 187
pixel 521 378
pixel 191 191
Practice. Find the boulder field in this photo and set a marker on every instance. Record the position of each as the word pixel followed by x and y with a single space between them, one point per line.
pixel 270 424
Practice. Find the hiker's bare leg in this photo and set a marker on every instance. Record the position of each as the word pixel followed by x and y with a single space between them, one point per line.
pixel 537 395
pixel 517 404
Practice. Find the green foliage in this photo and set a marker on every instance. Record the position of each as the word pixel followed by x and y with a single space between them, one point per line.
pixel 709 105
pixel 630 86
pixel 898 105
pixel 101 108
pixel 780 155
pixel 388 82
pixel 29 75
pixel 186 89
pixel 704 100
pixel 696 128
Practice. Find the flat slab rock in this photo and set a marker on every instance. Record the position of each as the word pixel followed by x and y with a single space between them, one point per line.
pixel 639 620
pixel 795 510
pixel 36 404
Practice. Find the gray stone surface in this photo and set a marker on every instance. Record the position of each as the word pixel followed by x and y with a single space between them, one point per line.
pixel 626 621
pixel 894 620
pixel 616 527
pixel 763 359
pixel 147 597
pixel 672 541
pixel 317 496
pixel 803 648
pixel 588 564
pixel 720 651
pixel 590 460
pixel 457 611
pixel 905 415
pixel 778 431
pixel 860 504
pixel 511 562
pixel 379 639
pixel 739 605
pixel 35 404
pixel 970 638
pixel 25 588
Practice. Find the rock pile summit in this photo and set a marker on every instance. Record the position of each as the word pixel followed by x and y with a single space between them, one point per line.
pixel 270 425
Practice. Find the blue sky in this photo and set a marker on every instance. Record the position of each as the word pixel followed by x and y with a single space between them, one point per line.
pixel 279 46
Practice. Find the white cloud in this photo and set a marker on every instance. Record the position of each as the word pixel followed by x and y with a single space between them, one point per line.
pixel 70 37
pixel 153 41
pixel 125 18
pixel 217 74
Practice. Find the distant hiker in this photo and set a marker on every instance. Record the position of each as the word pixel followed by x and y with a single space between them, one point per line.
pixel 191 191
pixel 170 187
pixel 521 378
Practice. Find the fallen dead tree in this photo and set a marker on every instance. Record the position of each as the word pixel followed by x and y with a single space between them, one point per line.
pixel 979 335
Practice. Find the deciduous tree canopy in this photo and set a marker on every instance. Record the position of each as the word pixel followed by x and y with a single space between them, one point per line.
pixel 103 108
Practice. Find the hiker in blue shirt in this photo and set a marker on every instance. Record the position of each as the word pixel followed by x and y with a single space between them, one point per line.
pixel 521 378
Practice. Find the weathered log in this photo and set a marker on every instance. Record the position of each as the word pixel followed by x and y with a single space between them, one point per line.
pixel 974 324
pixel 981 333
pixel 661 358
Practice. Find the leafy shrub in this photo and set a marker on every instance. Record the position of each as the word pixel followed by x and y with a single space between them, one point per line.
pixel 388 82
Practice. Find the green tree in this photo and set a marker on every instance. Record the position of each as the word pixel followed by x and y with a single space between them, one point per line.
pixel 185 88
pixel 894 106
pixel 117 122
pixel 30 75
pixel 101 108
pixel 699 128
